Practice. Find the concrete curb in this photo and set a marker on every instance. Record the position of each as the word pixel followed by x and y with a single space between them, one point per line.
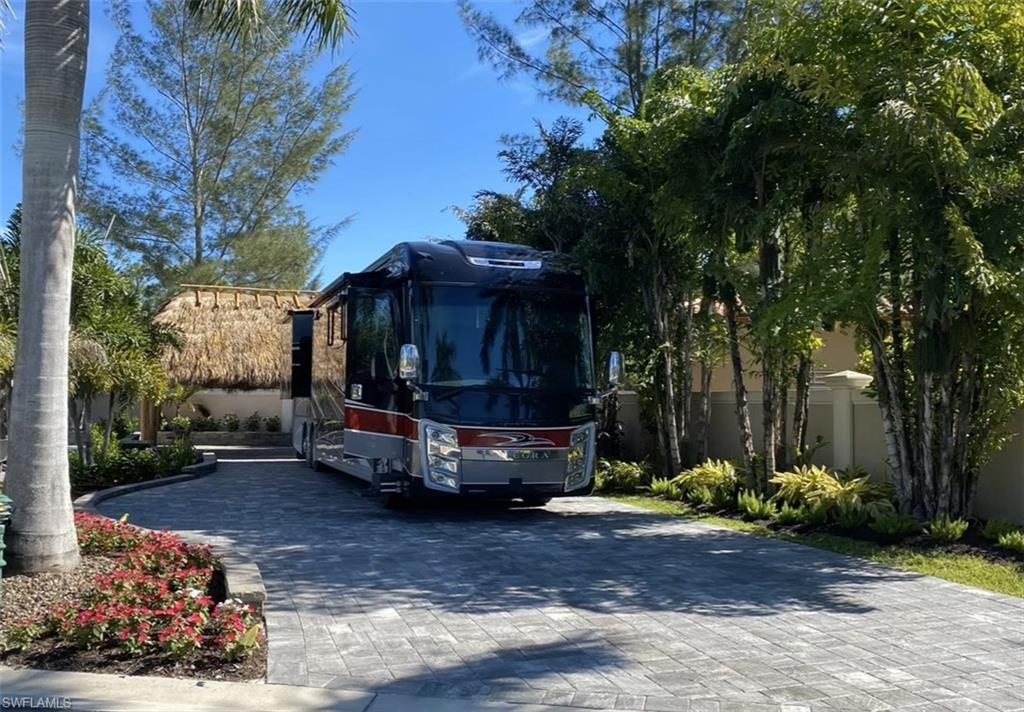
pixel 242 579
pixel 119 693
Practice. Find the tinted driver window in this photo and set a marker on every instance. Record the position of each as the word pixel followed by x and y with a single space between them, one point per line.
pixel 372 334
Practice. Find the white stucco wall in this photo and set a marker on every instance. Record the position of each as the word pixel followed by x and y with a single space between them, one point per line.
pixel 241 403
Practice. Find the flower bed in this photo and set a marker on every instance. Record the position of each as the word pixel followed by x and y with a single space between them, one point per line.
pixel 158 610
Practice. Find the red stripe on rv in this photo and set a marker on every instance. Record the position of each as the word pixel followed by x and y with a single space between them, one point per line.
pixel 380 421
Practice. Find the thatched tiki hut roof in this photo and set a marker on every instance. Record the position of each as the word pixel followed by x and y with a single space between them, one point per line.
pixel 231 337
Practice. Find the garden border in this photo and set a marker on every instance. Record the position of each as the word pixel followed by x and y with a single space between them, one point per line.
pixel 242 579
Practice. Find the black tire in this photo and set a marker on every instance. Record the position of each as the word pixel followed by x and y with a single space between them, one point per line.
pixel 311 460
pixel 397 502
pixel 301 454
pixel 535 501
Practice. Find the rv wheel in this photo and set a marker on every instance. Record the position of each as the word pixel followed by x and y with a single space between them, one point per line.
pixel 397 501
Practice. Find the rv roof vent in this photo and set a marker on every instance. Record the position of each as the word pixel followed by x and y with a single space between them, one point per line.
pixel 507 264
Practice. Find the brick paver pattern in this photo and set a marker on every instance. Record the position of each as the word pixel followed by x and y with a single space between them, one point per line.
pixel 587 603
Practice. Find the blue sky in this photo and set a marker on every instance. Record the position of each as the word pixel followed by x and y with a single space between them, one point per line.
pixel 428 118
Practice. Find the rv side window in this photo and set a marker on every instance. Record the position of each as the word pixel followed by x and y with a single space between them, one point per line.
pixel 374 343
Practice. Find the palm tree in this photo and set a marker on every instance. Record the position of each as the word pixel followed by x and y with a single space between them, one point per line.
pixel 42 534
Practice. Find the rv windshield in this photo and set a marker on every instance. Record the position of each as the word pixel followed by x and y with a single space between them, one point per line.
pixel 505 338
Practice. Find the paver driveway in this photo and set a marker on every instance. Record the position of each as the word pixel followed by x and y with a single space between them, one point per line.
pixel 587 603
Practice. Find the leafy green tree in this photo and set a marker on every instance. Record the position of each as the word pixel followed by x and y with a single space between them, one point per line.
pixel 928 216
pixel 553 203
pixel 114 347
pixel 197 154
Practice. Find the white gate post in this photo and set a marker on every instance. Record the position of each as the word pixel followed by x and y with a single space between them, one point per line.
pixel 843 384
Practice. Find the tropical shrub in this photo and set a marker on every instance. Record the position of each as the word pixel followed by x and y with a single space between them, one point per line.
pixel 895 525
pixel 803 484
pixel 123 426
pixel 699 496
pixel 206 424
pixel 817 485
pixel 754 505
pixel 180 424
pixel 712 474
pixel 996 528
pixel 946 530
pixel 232 423
pixel 663 487
pixel 176 456
pixel 619 476
pixel 788 515
pixel 851 515
pixel 1014 541
pixel 272 424
pixel 252 422
pixel 117 466
pixel 723 499
pixel 813 515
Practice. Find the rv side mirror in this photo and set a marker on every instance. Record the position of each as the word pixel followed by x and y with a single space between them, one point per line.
pixel 409 362
pixel 615 369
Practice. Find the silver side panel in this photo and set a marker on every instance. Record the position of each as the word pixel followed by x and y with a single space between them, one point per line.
pixel 359 443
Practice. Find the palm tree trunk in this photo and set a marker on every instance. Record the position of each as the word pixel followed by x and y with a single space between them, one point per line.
pixel 42 535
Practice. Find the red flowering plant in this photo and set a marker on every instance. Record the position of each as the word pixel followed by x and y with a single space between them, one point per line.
pixel 99 535
pixel 155 599
pixel 236 628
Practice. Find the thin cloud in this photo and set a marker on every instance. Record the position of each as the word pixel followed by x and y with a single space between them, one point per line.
pixel 529 38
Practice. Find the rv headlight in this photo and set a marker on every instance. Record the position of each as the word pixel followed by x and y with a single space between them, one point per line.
pixel 577 458
pixel 442 455
pixel 442 441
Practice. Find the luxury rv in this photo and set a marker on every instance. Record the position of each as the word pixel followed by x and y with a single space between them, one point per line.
pixel 452 368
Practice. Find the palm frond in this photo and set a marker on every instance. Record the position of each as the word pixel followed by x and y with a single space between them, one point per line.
pixel 325 22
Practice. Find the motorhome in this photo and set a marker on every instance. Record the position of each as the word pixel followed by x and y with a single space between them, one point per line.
pixel 452 368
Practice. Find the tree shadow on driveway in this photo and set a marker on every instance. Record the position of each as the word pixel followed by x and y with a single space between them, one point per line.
pixel 589 593
pixel 313 532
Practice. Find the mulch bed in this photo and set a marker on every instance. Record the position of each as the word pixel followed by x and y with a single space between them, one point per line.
pixel 45 655
pixel 27 597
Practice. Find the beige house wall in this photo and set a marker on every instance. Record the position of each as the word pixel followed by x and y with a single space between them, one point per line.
pixel 859 430
pixel 838 353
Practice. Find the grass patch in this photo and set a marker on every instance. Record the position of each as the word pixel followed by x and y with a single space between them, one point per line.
pixel 969 569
